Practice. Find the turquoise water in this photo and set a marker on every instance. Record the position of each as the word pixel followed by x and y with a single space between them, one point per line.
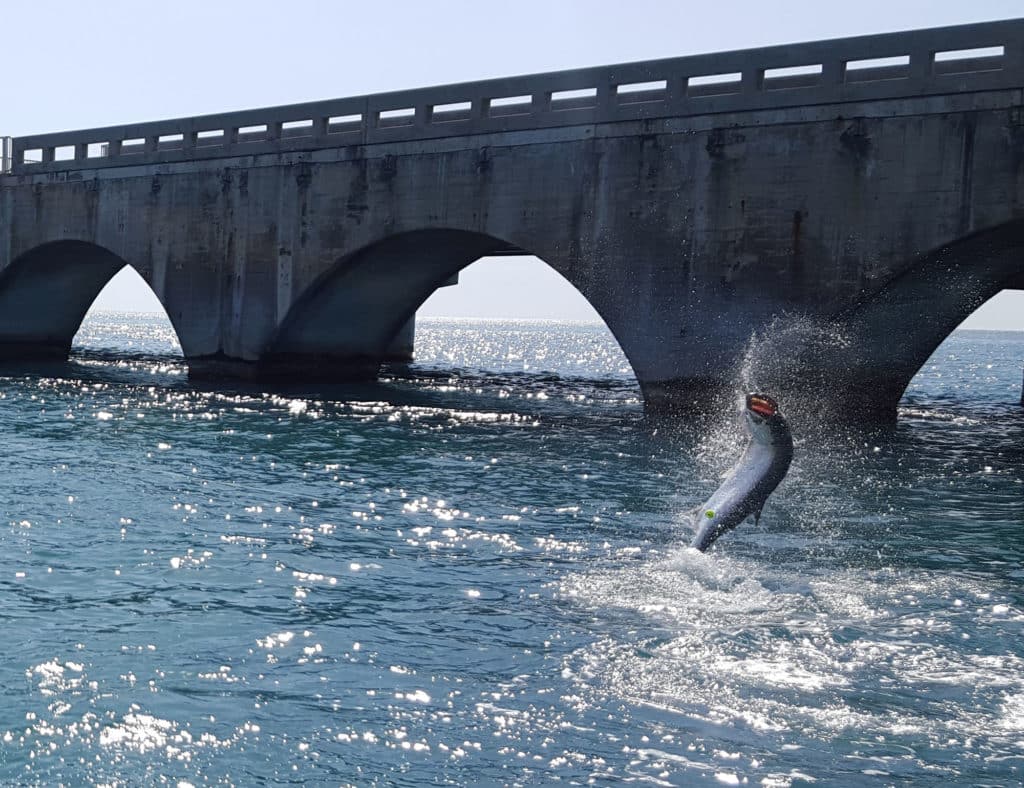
pixel 476 572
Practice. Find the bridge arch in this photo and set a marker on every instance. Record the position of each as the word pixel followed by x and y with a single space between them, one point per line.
pixel 46 292
pixel 893 333
pixel 353 316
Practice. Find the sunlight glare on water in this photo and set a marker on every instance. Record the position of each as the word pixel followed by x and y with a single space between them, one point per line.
pixel 474 571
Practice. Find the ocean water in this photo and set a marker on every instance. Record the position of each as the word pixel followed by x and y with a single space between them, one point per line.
pixel 475 572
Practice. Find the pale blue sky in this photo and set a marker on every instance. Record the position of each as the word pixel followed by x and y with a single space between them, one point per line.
pixel 69 64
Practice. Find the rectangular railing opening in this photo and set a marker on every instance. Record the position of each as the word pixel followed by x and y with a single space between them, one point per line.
pixel 969 54
pixel 715 84
pixel 391 118
pixel 252 133
pixel 969 61
pixel 445 113
pixel 209 138
pixel 509 105
pixel 583 98
pixel 297 128
pixel 877 69
pixel 792 77
pixel 64 153
pixel 342 124
pixel 97 150
pixel 32 156
pixel 170 142
pixel 641 92
pixel 133 146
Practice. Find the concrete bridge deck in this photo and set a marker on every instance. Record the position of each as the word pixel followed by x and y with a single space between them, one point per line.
pixel 873 183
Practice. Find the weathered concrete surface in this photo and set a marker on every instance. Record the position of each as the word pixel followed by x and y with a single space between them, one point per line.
pixel 895 218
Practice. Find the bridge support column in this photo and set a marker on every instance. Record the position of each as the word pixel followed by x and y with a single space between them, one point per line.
pixel 290 368
pixel 26 350
pixel 402 346
pixel 811 390
pixel 689 397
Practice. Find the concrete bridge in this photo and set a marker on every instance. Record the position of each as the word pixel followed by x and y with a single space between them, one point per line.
pixel 874 182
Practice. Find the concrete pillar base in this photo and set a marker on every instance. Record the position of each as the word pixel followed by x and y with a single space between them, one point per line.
pixel 284 369
pixel 402 346
pixel 688 396
pixel 816 400
pixel 863 400
pixel 34 351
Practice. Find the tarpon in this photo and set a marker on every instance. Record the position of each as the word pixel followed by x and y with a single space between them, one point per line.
pixel 755 476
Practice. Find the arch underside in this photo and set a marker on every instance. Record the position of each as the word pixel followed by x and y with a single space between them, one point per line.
pixel 893 334
pixel 46 293
pixel 349 320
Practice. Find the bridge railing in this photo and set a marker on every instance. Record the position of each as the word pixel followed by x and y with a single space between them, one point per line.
pixel 988 56
pixel 6 154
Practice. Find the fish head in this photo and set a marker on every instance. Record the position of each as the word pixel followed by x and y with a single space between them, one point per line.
pixel 764 420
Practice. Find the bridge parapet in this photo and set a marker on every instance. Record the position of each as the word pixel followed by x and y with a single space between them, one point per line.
pixel 980 57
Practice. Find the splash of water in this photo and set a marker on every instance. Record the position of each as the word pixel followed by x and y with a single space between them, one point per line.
pixel 787 360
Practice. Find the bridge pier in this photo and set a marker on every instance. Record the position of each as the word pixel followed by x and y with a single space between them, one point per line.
pixel 695 397
pixel 13 351
pixel 284 368
pixel 402 347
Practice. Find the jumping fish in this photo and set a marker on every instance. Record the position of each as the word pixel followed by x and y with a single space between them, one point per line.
pixel 755 476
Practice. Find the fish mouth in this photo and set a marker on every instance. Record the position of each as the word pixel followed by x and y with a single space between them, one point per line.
pixel 762 405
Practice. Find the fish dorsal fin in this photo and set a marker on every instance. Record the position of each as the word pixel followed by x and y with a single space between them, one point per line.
pixel 757 515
